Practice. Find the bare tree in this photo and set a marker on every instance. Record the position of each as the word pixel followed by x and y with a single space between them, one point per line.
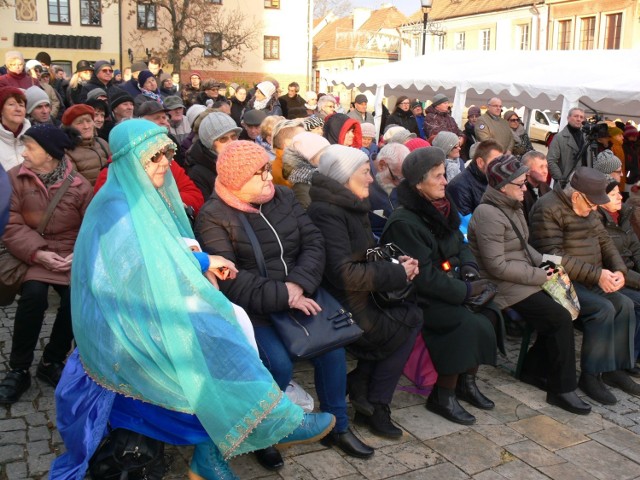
pixel 187 25
pixel 339 7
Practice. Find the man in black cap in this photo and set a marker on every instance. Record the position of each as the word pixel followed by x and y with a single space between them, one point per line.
pixel 360 110
pixel 250 124
pixel 563 224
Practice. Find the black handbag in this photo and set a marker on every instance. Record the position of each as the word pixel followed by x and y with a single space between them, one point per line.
pixel 307 336
pixel 127 455
pixel 389 252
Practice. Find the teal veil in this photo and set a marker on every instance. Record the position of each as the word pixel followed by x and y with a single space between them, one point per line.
pixel 149 325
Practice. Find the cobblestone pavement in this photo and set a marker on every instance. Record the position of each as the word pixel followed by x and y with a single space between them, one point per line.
pixel 523 438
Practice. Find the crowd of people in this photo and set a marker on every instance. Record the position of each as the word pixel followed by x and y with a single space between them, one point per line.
pixel 137 199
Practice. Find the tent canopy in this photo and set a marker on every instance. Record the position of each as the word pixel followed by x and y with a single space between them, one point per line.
pixel 555 80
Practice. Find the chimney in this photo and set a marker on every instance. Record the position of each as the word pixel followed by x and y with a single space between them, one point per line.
pixel 360 15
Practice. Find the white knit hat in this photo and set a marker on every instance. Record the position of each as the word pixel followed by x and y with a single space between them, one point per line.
pixel 216 125
pixel 35 96
pixel 193 112
pixel 32 64
pixel 446 141
pixel 340 162
pixel 267 88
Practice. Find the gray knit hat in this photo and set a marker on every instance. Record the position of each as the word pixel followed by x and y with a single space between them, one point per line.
pixel 35 96
pixel 606 162
pixel 419 162
pixel 216 125
pixel 446 141
pixel 504 169
pixel 439 98
pixel 340 162
pixel 95 93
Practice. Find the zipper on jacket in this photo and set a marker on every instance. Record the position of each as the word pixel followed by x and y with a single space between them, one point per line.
pixel 286 269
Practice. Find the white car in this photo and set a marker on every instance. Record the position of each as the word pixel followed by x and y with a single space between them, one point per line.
pixel 542 123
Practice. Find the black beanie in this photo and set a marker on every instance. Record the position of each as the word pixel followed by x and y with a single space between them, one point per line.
pixel 419 162
pixel 118 98
pixel 52 139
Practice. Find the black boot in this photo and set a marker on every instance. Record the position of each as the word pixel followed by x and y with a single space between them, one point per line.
pixel 570 402
pixel 380 422
pixel 467 390
pixel 621 379
pixel 15 383
pixel 270 458
pixel 358 389
pixel 592 385
pixel 348 443
pixel 443 402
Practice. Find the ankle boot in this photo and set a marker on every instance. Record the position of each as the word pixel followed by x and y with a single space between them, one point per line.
pixel 443 402
pixel 380 422
pixel 467 390
pixel 207 462
pixel 358 390
pixel 593 386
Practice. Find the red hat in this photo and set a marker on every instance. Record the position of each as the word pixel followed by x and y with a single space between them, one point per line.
pixel 630 131
pixel 8 92
pixel 416 143
pixel 71 113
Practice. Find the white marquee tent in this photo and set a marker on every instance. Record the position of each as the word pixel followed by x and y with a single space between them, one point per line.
pixel 607 81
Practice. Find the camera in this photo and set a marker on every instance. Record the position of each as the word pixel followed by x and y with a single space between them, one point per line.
pixel 594 130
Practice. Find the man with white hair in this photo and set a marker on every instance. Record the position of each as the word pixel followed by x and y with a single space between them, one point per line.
pixel 387 172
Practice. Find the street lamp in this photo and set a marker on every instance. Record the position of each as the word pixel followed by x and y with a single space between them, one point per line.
pixel 426 7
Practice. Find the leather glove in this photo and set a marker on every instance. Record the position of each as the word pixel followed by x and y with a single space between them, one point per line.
pixel 476 288
pixel 469 270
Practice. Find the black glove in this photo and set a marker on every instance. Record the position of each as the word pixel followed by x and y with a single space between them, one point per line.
pixel 476 288
pixel 549 266
pixel 469 271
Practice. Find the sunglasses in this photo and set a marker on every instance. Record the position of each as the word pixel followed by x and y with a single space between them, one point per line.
pixel 228 138
pixel 106 70
pixel 514 120
pixel 168 153
pixel 264 171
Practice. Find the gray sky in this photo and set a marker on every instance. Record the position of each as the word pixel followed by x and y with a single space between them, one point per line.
pixel 405 6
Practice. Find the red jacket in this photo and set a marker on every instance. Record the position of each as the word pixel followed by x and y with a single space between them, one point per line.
pixel 189 193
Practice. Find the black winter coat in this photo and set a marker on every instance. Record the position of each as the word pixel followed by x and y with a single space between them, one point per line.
pixel 404 119
pixel 237 107
pixel 200 164
pixel 467 189
pixel 94 83
pixel 343 220
pixel 292 246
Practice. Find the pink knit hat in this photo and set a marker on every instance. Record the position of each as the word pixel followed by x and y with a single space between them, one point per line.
pixel 415 143
pixel 239 161
pixel 309 144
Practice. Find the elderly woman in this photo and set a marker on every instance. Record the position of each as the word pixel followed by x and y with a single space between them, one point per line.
pixel 498 236
pixel 142 304
pixel 13 124
pixel 522 142
pixel 299 162
pixel 450 143
pixel 293 251
pixel 92 154
pixel 342 130
pixel 265 98
pixel 458 338
pixel 340 207
pixel 48 250
pixel 326 106
pixel 148 86
pixel 403 116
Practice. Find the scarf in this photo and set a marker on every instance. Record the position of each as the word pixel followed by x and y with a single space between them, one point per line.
pixel 229 197
pixel 54 176
pixel 443 206
pixel 517 134
pixel 302 173
pixel 149 325
pixel 152 95
pixel 452 168
pixel 260 104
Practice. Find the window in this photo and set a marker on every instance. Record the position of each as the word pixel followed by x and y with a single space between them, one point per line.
pixel 461 40
pixel 612 31
pixel 523 37
pixel 271 48
pixel 540 118
pixel 564 35
pixel 212 44
pixel 59 11
pixel 146 16
pixel 485 39
pixel 587 33
pixel 271 3
pixel 90 13
pixel 441 42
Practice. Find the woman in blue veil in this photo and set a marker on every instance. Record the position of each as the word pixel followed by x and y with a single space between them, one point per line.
pixel 159 349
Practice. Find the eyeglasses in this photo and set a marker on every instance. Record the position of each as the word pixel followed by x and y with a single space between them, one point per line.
pixel 107 70
pixel 264 172
pixel 514 120
pixel 519 185
pixel 228 138
pixel 395 178
pixel 168 153
pixel 405 103
pixel 588 202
